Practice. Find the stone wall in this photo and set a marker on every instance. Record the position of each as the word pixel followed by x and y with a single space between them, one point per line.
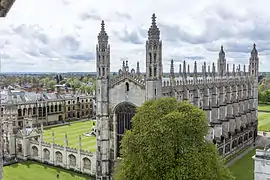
pixel 65 157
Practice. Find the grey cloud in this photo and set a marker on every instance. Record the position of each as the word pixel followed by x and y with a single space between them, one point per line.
pixel 32 32
pixel 90 15
pixel 123 15
pixel 132 37
pixel 194 57
pixel 69 43
pixel 88 56
pixel 178 59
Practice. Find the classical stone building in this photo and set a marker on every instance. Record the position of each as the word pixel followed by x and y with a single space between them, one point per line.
pixel 27 143
pixel 228 97
pixel 49 108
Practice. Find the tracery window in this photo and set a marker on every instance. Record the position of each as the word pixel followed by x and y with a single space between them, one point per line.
pixel 124 113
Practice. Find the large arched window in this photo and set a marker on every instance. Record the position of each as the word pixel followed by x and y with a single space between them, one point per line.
pixel 124 113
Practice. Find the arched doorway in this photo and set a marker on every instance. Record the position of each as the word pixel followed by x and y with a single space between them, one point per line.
pixel 124 112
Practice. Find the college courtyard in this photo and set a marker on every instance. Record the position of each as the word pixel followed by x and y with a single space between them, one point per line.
pixel 242 169
pixel 30 170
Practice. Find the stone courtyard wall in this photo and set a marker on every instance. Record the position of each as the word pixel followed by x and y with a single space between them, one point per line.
pixel 65 157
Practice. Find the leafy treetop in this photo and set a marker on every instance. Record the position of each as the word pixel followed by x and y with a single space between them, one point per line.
pixel 167 142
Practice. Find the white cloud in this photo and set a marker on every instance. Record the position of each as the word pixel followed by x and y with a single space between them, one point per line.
pixel 61 35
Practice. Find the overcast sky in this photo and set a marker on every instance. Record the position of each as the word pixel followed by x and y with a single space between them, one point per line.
pixel 61 35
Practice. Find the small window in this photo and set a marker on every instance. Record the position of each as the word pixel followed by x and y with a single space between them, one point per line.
pixel 103 71
pixel 155 92
pixel 150 57
pixel 127 87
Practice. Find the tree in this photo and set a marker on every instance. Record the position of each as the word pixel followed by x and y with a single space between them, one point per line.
pixel 167 142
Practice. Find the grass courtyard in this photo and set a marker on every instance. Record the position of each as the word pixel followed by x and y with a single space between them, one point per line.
pixel 35 171
pixel 243 169
pixel 264 117
pixel 73 131
pixel 264 107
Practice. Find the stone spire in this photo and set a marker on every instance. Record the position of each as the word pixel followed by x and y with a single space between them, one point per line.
pixel 244 69
pixel 102 36
pixel 254 51
pixel 138 68
pixel 180 69
pixel 204 71
pixel 172 69
pixel 233 69
pixel 254 61
pixel 221 52
pixel 228 68
pixel 153 32
pixel 195 75
pixel 221 62
pixel 184 71
pixel 213 70
pixel 239 70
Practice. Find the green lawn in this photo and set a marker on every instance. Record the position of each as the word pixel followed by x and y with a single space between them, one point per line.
pixel 243 169
pixel 73 131
pixel 264 121
pixel 35 171
pixel 264 107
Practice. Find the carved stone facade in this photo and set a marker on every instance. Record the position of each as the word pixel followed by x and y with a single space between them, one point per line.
pixel 229 98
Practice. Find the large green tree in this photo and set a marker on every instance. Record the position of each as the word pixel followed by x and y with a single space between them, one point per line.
pixel 167 141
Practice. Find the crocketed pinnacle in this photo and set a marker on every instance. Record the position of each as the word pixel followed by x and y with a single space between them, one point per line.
pixel 172 69
pixel 254 51
pixel 102 36
pixel 153 32
pixel 221 52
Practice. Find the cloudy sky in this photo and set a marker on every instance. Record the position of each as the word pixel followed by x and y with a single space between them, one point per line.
pixel 61 35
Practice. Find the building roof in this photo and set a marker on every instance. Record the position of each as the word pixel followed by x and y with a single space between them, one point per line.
pixel 18 96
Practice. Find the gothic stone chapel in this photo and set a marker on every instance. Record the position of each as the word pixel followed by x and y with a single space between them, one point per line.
pixel 229 98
